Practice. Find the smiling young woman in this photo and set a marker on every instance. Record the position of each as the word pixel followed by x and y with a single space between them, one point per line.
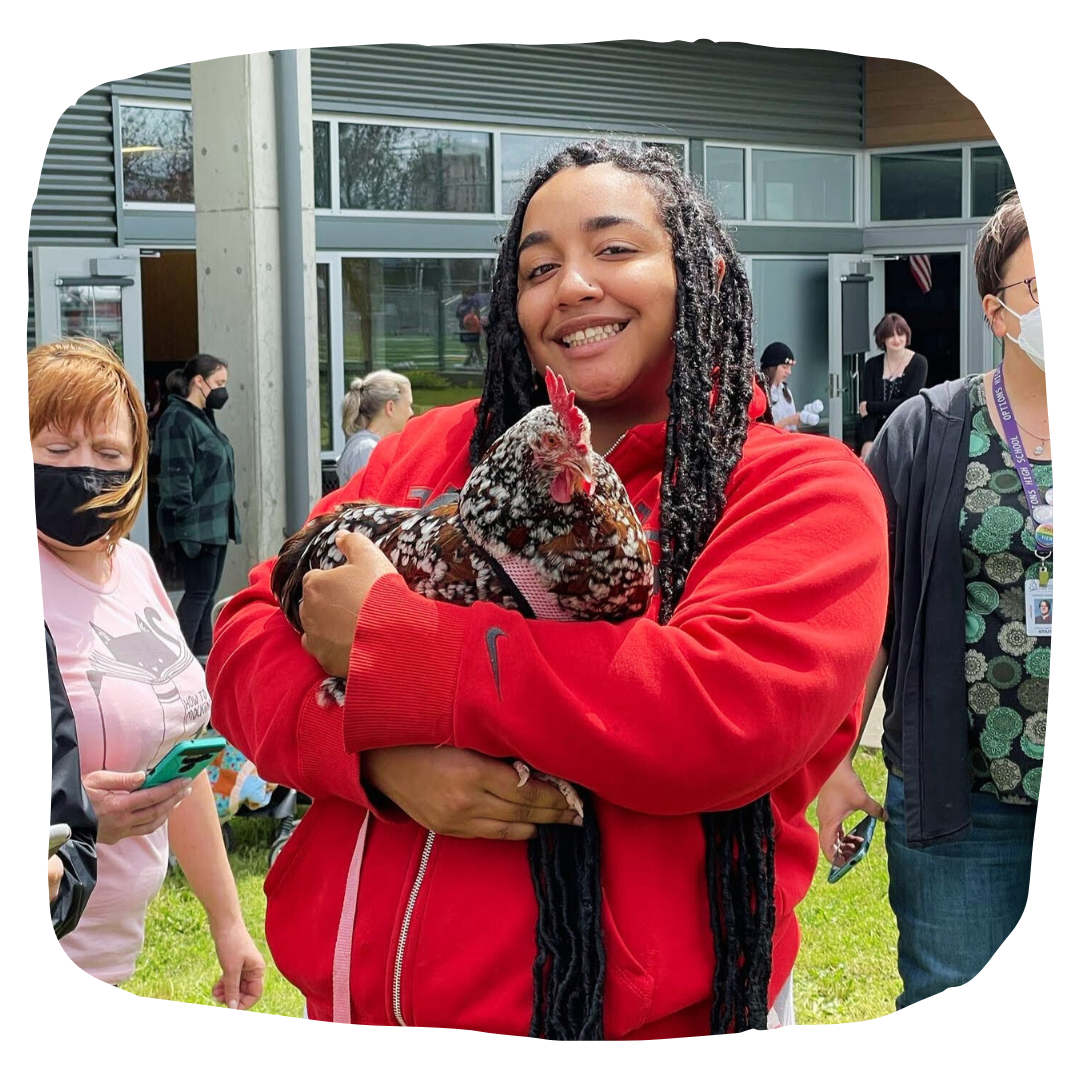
pixel 701 743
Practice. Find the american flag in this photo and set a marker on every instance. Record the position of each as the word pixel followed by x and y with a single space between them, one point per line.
pixel 920 271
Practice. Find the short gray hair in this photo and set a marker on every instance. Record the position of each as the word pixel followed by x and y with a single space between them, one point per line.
pixel 367 396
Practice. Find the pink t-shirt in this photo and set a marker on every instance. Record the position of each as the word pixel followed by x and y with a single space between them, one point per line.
pixel 136 690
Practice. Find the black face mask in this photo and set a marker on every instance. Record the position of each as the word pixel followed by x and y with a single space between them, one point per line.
pixel 217 397
pixel 59 493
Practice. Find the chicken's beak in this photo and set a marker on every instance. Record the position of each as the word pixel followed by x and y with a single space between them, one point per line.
pixel 583 479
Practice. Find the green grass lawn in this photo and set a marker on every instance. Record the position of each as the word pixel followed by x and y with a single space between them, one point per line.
pixel 846 968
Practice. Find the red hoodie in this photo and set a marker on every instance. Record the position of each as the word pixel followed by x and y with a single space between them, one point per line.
pixel 753 686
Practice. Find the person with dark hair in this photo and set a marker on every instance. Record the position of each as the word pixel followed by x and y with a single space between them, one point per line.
pixel 966 474
pixel 73 869
pixel 694 738
pixel 197 512
pixel 889 378
pixel 776 363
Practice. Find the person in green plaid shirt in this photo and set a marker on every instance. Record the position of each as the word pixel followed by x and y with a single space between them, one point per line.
pixel 197 514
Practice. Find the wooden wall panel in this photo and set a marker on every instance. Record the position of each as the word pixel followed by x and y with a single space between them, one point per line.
pixel 908 104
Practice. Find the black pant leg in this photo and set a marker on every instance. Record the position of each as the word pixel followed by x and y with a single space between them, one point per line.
pixel 202 575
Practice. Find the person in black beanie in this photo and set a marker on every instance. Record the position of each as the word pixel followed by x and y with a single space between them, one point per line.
pixel 776 363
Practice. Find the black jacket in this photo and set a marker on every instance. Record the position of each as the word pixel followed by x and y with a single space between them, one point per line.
pixel 878 410
pixel 919 461
pixel 70 806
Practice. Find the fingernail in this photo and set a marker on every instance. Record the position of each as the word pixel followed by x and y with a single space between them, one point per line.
pixel 579 820
pixel 234 1004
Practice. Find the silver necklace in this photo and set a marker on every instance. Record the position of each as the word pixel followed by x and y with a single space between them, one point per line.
pixel 895 371
pixel 1040 449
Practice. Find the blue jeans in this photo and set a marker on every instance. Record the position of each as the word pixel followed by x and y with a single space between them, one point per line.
pixel 956 902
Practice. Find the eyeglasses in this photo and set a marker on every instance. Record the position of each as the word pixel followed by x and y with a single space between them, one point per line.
pixel 1032 287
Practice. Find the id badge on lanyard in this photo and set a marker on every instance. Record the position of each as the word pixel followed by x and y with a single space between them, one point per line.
pixel 1038 595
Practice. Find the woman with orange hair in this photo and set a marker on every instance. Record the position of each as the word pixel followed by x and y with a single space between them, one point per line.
pixel 135 688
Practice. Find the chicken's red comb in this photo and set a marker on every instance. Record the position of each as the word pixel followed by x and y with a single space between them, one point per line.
pixel 562 401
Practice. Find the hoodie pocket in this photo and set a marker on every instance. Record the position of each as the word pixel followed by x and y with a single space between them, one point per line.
pixel 303 909
pixel 629 990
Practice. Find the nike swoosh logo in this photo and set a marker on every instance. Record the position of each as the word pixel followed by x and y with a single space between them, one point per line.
pixel 493 636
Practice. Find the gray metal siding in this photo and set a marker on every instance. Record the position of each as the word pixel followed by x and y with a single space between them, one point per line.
pixel 76 198
pixel 31 332
pixel 168 228
pixel 696 89
pixel 174 82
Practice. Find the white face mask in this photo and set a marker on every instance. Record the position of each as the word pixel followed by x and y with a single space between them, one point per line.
pixel 1030 339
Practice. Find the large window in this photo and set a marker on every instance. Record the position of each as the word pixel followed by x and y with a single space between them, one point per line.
pixel 156 151
pixel 414 315
pixel 157 157
pixel 321 154
pixel 322 315
pixel 438 170
pixel 725 180
pixel 991 178
pixel 791 185
pixel 914 185
pixel 394 168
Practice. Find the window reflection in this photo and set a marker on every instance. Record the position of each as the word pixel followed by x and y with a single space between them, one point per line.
pixel 797 186
pixel 322 314
pixel 93 311
pixel 916 185
pixel 407 168
pixel 991 178
pixel 156 149
pixel 725 180
pixel 415 315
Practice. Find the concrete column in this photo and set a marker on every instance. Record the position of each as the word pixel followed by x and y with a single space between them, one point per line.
pixel 237 250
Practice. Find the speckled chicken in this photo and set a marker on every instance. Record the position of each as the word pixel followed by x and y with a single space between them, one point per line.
pixel 543 525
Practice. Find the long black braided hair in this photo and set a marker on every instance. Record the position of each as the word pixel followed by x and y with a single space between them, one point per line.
pixel 711 388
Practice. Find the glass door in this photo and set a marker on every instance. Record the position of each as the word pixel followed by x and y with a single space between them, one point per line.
pixel 855 297
pixel 95 293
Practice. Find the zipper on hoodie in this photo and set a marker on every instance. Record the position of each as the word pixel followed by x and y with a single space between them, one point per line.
pixel 406 919
pixel 615 445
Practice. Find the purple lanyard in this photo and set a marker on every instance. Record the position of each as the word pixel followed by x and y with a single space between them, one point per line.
pixel 1019 455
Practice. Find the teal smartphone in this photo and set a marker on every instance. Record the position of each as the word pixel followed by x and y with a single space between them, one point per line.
pixel 864 833
pixel 186 759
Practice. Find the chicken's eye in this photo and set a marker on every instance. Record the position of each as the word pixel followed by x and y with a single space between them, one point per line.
pixel 550 441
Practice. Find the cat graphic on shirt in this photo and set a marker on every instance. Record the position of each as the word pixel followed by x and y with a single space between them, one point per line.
pixel 150 656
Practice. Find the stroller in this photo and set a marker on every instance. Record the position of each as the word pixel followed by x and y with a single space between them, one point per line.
pixel 240 792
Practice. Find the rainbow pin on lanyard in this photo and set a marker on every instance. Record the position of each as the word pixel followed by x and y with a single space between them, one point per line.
pixel 1042 513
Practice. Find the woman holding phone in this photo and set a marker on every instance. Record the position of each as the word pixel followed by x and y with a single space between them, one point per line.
pixel 134 686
